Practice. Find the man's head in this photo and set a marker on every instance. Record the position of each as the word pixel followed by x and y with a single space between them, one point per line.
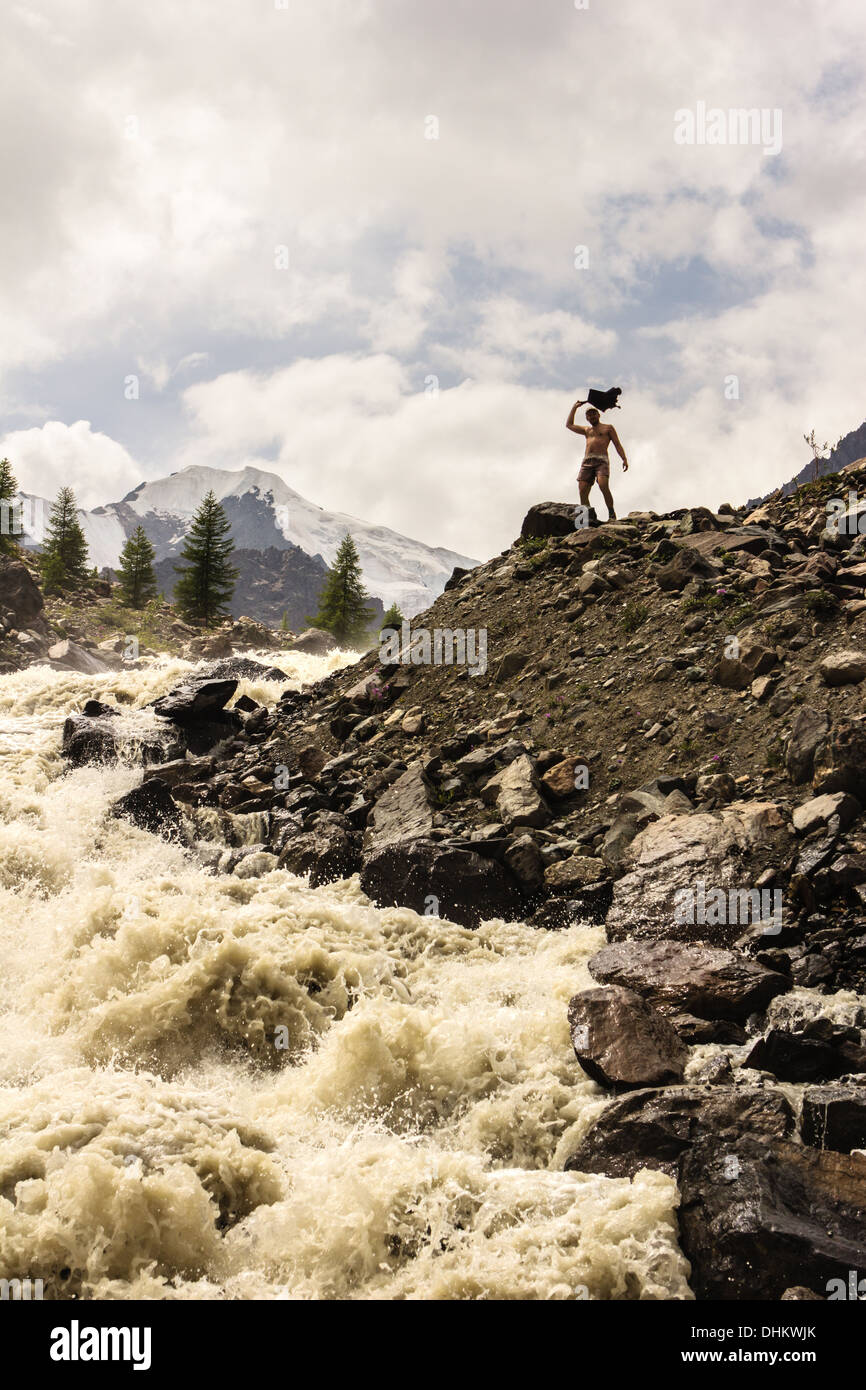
pixel 593 416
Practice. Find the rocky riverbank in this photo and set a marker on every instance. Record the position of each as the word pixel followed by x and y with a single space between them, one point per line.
pixel 666 736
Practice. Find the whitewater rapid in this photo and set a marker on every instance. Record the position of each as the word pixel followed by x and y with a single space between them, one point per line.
pixel 409 1142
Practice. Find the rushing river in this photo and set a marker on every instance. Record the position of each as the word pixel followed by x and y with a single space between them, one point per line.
pixel 154 1143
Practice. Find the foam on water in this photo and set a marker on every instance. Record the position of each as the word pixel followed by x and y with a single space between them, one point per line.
pixel 406 1142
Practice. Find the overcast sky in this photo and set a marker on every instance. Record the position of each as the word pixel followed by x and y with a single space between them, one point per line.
pixel 239 203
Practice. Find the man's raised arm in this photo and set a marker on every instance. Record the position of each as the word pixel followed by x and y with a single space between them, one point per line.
pixel 570 425
pixel 614 439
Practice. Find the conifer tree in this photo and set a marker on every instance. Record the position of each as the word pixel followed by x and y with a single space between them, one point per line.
pixel 136 572
pixel 343 607
pixel 392 619
pixel 207 580
pixel 10 511
pixel 64 554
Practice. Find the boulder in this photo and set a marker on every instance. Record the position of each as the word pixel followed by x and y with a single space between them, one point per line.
pixel 758 1217
pixel 518 798
pixel 20 595
pixel 694 979
pixel 69 656
pixel 725 850
pixel 822 809
pixel 686 565
pixel 326 853
pixel 843 668
pixel 840 760
pixel 576 872
pixel 738 673
pixel 621 1040
pixel 315 642
pixel 653 1129
pixel 402 812
pixel 808 729
pixel 195 699
pixel 151 807
pixel 440 880
pixel 795 1057
pixel 87 739
pixel 834 1117
pixel 558 781
pixel 243 668
pixel 549 519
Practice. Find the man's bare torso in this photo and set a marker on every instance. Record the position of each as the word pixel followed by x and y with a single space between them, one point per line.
pixel 598 441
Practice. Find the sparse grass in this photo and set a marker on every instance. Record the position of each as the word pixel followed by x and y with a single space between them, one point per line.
pixel 819 603
pixel 634 615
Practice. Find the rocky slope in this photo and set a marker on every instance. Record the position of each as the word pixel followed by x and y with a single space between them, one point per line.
pixel 666 736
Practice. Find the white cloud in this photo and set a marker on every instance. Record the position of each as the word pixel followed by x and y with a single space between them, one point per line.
pixel 96 467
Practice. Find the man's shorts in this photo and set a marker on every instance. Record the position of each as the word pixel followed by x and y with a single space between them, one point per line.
pixel 594 470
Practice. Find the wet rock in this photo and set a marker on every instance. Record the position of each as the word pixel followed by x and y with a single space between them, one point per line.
pixel 834 1117
pixel 759 1217
pixel 243 668
pixel 327 853
pixel 808 729
pixel 99 740
pixel 795 1057
pixel 440 880
pixel 696 979
pixel 621 1040
pixel 195 699
pixel 843 668
pixel 151 807
pixel 523 858
pixel 654 1129
pixel 256 865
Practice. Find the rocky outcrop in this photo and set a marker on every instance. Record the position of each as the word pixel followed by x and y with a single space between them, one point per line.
pixel 440 880
pixel 758 1217
pixel 693 979
pixel 151 807
pixel 654 1129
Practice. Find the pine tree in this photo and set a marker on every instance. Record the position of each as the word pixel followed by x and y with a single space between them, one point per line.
pixel 284 621
pixel 10 511
pixel 207 580
pixel 392 619
pixel 343 608
pixel 136 572
pixel 64 554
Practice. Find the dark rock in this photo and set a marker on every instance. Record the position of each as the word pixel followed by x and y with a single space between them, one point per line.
pixel 326 853
pixel 152 808
pixel 759 1217
pixel 243 668
pixel 19 592
pixel 315 642
pixel 834 1117
pixel 440 880
pixel 695 979
pixel 621 1040
pixel 653 1129
pixel 549 519
pixel 196 699
pixel 795 1057
pixel 98 740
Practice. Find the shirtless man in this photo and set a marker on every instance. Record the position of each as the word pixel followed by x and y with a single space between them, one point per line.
pixel 596 464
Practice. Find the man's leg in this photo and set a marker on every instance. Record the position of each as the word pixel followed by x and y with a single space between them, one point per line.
pixel 606 494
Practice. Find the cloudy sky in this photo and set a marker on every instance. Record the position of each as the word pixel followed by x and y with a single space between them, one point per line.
pixel 341 239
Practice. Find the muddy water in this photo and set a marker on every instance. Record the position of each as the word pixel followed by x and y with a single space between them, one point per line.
pixel 407 1140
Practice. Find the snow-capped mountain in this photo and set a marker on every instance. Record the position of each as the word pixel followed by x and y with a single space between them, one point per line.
pixel 266 514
